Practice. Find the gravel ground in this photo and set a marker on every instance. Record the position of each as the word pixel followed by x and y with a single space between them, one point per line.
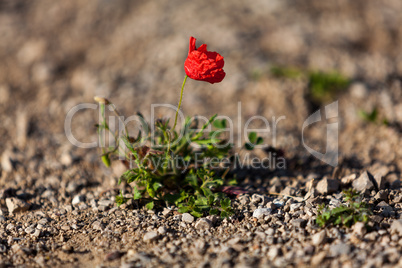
pixel 57 201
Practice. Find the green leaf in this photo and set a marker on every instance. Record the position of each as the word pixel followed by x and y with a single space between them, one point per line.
pixel 137 193
pixel 252 137
pixel 219 123
pixel 196 214
pixel 225 214
pixel 249 146
pixel 213 211
pixel 259 141
pixel 183 209
pixel 201 201
pixel 225 203
pixel 171 198
pixel 150 205
pixel 156 186
pixel 106 160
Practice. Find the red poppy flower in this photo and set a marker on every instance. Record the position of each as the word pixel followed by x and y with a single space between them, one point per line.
pixel 204 65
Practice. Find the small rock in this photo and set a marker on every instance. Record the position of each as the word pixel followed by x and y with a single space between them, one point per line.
pixel 97 225
pixel 339 249
pixel 162 230
pixel 203 223
pixel 150 236
pixel 359 229
pixel 386 210
pixel 319 238
pixel 200 246
pixel 187 217
pixel 274 252
pixel 166 211
pixel 114 255
pixel 29 230
pixel 380 181
pixel 327 186
pixel 295 206
pixel 364 183
pixel 37 233
pixel 260 212
pixel 299 223
pixel 66 159
pixel 212 218
pixel 381 195
pixel 348 179
pixel 105 203
pixel 78 199
pixel 259 199
pixel 67 248
pixel 6 162
pixel 396 226
pixel 16 205
pixel 318 259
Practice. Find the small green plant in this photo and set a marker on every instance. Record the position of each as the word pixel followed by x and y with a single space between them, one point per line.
pixel 345 215
pixel 167 168
pixel 372 117
pixel 324 85
pixel 185 168
pixel 286 72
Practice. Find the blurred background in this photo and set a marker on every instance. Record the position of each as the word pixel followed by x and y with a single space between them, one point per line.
pixel 282 58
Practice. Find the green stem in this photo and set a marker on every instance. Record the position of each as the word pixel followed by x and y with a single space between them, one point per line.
pixel 181 97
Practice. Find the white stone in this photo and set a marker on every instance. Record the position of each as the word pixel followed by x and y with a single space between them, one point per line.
pixel 15 205
pixel 203 223
pixel 319 238
pixel 260 212
pixel 150 236
pixel 187 217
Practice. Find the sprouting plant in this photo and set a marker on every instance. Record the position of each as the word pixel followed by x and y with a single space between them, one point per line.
pixel 286 72
pixel 185 168
pixel 346 214
pixel 372 117
pixel 324 85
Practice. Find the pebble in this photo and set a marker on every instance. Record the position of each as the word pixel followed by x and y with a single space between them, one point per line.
pixel 114 255
pixel 3 248
pixel 363 184
pixel 295 206
pixel 37 233
pixel 359 228
pixel 16 205
pixel 327 186
pixel 203 223
pixel 162 230
pixel 396 226
pixel 78 199
pixel 299 223
pixel 348 179
pixel 260 212
pixel 67 248
pixel 150 236
pixel 274 252
pixel 387 210
pixel 187 217
pixel 318 238
pixel 6 162
pixel 339 249
pixel 98 226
